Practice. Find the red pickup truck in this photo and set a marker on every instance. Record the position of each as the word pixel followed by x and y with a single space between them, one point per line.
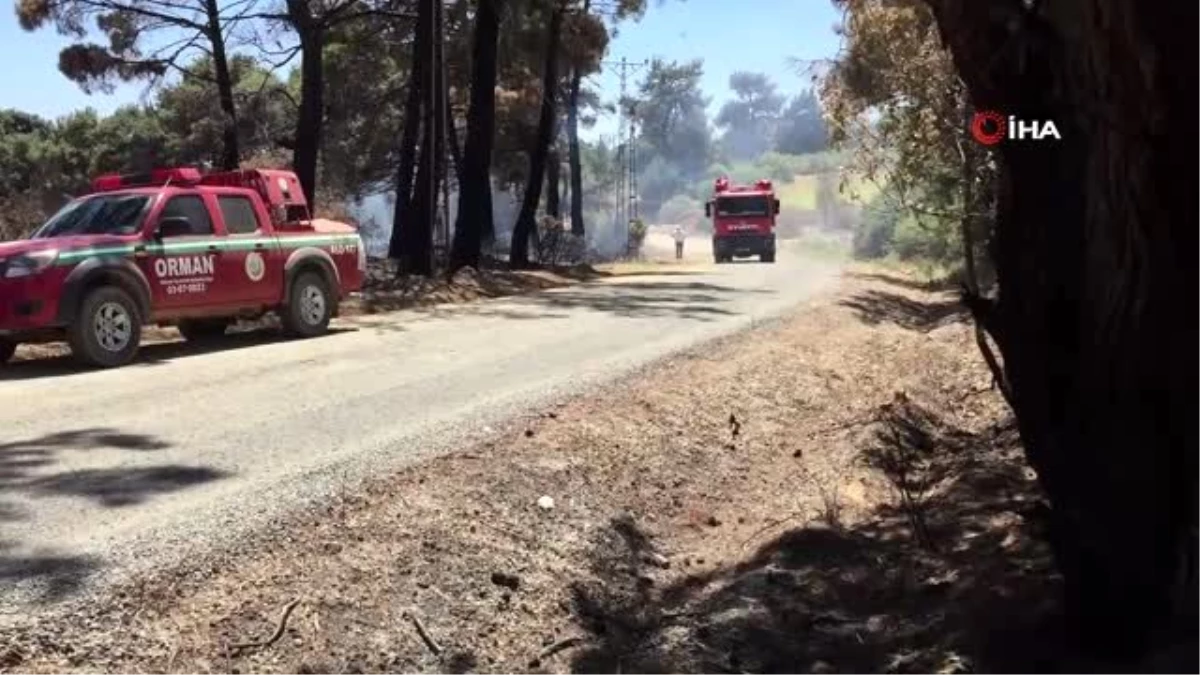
pixel 175 247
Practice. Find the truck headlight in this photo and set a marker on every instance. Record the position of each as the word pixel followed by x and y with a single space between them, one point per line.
pixel 29 264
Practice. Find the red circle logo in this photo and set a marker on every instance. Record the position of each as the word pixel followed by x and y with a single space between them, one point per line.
pixel 988 127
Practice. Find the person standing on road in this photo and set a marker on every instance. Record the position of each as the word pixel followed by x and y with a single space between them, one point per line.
pixel 680 236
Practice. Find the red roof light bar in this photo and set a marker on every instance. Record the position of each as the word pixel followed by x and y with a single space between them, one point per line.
pixel 116 181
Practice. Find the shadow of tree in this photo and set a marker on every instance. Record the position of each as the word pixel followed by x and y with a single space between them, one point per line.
pixel 692 300
pixel 155 354
pixel 875 307
pixel 28 472
pixel 950 282
pixel 954 577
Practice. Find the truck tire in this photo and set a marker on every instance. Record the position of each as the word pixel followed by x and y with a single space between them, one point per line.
pixel 197 330
pixel 310 306
pixel 7 349
pixel 767 257
pixel 107 330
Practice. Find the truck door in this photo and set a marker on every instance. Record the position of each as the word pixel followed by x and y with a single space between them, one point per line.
pixel 180 257
pixel 251 259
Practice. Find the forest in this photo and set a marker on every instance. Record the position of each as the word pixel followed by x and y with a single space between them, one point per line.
pixel 342 93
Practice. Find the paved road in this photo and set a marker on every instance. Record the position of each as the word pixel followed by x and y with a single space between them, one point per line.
pixel 105 473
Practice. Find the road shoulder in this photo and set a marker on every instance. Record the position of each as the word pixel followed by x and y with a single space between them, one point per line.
pixel 810 495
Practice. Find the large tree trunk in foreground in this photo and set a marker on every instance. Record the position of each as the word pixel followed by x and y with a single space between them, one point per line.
pixel 402 210
pixel 1095 253
pixel 474 221
pixel 230 154
pixel 526 225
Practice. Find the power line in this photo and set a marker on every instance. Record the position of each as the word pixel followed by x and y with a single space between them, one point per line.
pixel 626 188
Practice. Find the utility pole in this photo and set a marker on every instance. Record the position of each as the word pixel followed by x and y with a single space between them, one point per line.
pixel 626 196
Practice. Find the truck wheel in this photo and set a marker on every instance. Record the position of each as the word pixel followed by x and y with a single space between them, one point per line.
pixel 310 306
pixel 196 330
pixel 767 257
pixel 7 349
pixel 107 330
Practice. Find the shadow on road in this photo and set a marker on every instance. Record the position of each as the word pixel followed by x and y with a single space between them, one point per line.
pixel 152 354
pixel 698 301
pixel 29 472
pixel 633 298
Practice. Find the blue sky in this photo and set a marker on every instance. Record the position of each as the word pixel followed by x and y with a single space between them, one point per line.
pixel 730 35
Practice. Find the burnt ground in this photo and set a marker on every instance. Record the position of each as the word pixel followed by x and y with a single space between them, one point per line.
pixel 838 492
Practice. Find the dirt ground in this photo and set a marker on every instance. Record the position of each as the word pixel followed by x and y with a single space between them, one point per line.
pixel 841 491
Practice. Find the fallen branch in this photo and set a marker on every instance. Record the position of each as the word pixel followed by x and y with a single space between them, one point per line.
pixel 561 645
pixel 424 633
pixel 279 629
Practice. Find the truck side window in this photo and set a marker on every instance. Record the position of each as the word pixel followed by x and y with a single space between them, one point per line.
pixel 192 208
pixel 239 215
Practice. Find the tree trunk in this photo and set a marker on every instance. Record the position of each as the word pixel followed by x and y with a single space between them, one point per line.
pixel 474 221
pixel 408 141
pixel 573 159
pixel 417 233
pixel 553 191
pixel 312 92
pixel 230 154
pixel 526 225
pixel 1094 249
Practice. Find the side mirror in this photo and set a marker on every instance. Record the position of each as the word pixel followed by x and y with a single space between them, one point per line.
pixel 708 209
pixel 776 207
pixel 173 226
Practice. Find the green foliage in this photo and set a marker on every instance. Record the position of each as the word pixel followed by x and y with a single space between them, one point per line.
pixel 930 239
pixel 802 129
pixel 896 101
pixel 873 238
pixel 637 234
pixel 749 120
pixel 675 143
pixel 189 113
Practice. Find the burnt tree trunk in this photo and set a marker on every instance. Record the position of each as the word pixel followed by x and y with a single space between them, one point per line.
pixel 526 225
pixel 1094 250
pixel 401 211
pixel 553 189
pixel 312 93
pixel 417 233
pixel 575 165
pixel 474 222
pixel 230 154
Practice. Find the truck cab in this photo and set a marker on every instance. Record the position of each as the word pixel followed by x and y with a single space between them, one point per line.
pixel 175 247
pixel 743 220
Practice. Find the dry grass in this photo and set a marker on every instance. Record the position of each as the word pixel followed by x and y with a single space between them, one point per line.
pixel 839 492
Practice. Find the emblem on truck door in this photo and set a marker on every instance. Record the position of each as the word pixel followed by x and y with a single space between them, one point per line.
pixel 256 269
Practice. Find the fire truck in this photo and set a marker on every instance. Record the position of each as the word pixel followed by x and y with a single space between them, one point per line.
pixel 743 220
pixel 175 247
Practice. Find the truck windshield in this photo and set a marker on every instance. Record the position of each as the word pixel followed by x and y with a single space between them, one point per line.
pixel 744 206
pixel 99 214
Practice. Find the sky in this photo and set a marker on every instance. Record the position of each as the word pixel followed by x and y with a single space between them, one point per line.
pixel 730 35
